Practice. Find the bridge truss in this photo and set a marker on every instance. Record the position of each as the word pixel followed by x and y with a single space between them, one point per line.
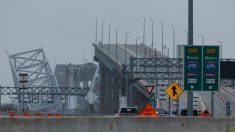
pixel 35 64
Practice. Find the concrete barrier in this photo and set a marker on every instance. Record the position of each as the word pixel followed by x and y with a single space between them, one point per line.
pixel 117 124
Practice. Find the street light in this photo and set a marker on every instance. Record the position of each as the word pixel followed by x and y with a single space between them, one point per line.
pixel 162 36
pixel 109 36
pixel 117 40
pixel 126 37
pixel 152 30
pixel 96 21
pixel 202 37
pixel 136 42
pixel 187 35
pixel 144 30
pixel 109 30
pixel 173 31
pixel 221 43
pixel 126 44
pixel 102 31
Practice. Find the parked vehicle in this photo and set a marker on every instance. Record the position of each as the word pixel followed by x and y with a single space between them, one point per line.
pixel 161 112
pixel 127 111
pixel 184 112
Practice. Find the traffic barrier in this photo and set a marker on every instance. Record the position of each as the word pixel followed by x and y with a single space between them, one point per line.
pixel 58 115
pixel 12 114
pixel 50 114
pixel 26 114
pixel 38 114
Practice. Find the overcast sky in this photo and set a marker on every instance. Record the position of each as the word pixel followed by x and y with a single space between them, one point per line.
pixel 65 29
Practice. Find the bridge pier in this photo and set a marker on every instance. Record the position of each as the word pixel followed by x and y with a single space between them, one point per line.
pixel 109 90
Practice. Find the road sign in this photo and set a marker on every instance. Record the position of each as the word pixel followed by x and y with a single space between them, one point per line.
pixel 192 67
pixel 211 67
pixel 149 88
pixel 173 91
pixel 201 68
pixel 152 100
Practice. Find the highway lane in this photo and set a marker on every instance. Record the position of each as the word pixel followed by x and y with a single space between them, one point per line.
pixel 226 96
pixel 220 99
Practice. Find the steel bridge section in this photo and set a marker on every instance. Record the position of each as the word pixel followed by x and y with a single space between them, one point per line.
pixel 35 64
pixel 72 91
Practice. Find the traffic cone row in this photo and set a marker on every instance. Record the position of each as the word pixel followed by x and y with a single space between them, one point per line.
pixel 37 114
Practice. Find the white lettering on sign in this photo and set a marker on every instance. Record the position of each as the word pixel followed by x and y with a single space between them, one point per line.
pixel 192 80
pixel 210 58
pixel 192 58
pixel 210 81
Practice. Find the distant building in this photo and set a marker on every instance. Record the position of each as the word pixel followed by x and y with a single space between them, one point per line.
pixel 70 75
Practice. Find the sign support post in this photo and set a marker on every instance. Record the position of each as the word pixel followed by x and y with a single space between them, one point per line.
pixel 190 42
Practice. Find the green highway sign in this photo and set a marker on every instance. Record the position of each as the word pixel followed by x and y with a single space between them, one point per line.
pixel 201 68
pixel 153 100
pixel 211 67
pixel 192 68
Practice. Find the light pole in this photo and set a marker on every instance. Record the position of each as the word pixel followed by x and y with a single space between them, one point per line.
pixel 117 40
pixel 144 31
pixel 102 31
pixel 152 31
pixel 110 31
pixel 173 31
pixel 136 42
pixel 186 34
pixel 162 36
pixel 109 36
pixel 126 44
pixel 96 22
pixel 221 43
pixel 126 37
pixel 202 37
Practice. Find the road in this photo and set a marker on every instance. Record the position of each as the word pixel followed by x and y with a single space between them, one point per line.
pixel 220 99
pixel 124 52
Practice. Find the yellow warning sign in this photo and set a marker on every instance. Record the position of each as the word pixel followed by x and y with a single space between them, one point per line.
pixel 173 91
